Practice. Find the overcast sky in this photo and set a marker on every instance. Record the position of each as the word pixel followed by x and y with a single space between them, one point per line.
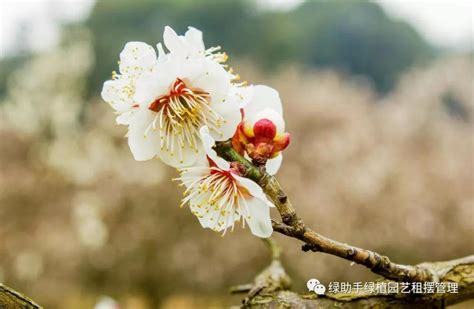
pixel 445 23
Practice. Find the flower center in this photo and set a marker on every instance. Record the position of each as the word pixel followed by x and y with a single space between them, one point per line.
pixel 180 114
pixel 217 193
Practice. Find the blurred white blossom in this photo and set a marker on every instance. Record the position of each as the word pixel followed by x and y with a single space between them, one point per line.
pixel 107 302
pixel 91 230
pixel 28 264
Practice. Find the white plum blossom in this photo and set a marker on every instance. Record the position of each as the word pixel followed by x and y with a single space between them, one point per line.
pixel 261 134
pixel 135 59
pixel 219 196
pixel 177 102
pixel 166 99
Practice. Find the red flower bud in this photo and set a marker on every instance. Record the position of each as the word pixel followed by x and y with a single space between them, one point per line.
pixel 264 129
pixel 261 142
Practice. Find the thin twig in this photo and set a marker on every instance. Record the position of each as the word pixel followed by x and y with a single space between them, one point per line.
pixel 275 250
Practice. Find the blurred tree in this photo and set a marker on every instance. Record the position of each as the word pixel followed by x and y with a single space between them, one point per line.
pixel 7 67
pixel 356 37
pixel 113 23
pixel 359 38
pixel 353 36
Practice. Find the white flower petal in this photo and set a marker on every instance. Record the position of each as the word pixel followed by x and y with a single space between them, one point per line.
pixel 273 165
pixel 145 92
pixel 194 39
pixel 190 69
pixel 173 42
pixel 208 142
pixel 207 216
pixel 153 85
pixel 213 79
pixel 119 94
pixel 124 118
pixel 231 115
pixel 195 204
pixel 242 95
pixel 254 189
pixel 179 157
pixel 116 92
pixel 264 97
pixel 192 174
pixel 211 216
pixel 136 58
pixel 257 215
pixel 144 145
pixel 161 52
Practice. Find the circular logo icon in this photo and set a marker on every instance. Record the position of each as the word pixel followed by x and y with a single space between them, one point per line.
pixel 315 286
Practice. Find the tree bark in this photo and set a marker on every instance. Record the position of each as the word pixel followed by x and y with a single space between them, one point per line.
pixel 11 299
pixel 270 289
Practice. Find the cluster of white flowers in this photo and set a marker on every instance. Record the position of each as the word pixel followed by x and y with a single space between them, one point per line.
pixel 177 104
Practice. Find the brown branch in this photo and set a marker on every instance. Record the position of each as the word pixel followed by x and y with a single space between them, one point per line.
pixel 293 226
pixel 269 281
pixel 377 263
pixel 11 299
pixel 460 271
pixel 270 289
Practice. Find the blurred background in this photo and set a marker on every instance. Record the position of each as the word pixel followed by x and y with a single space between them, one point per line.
pixel 378 98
